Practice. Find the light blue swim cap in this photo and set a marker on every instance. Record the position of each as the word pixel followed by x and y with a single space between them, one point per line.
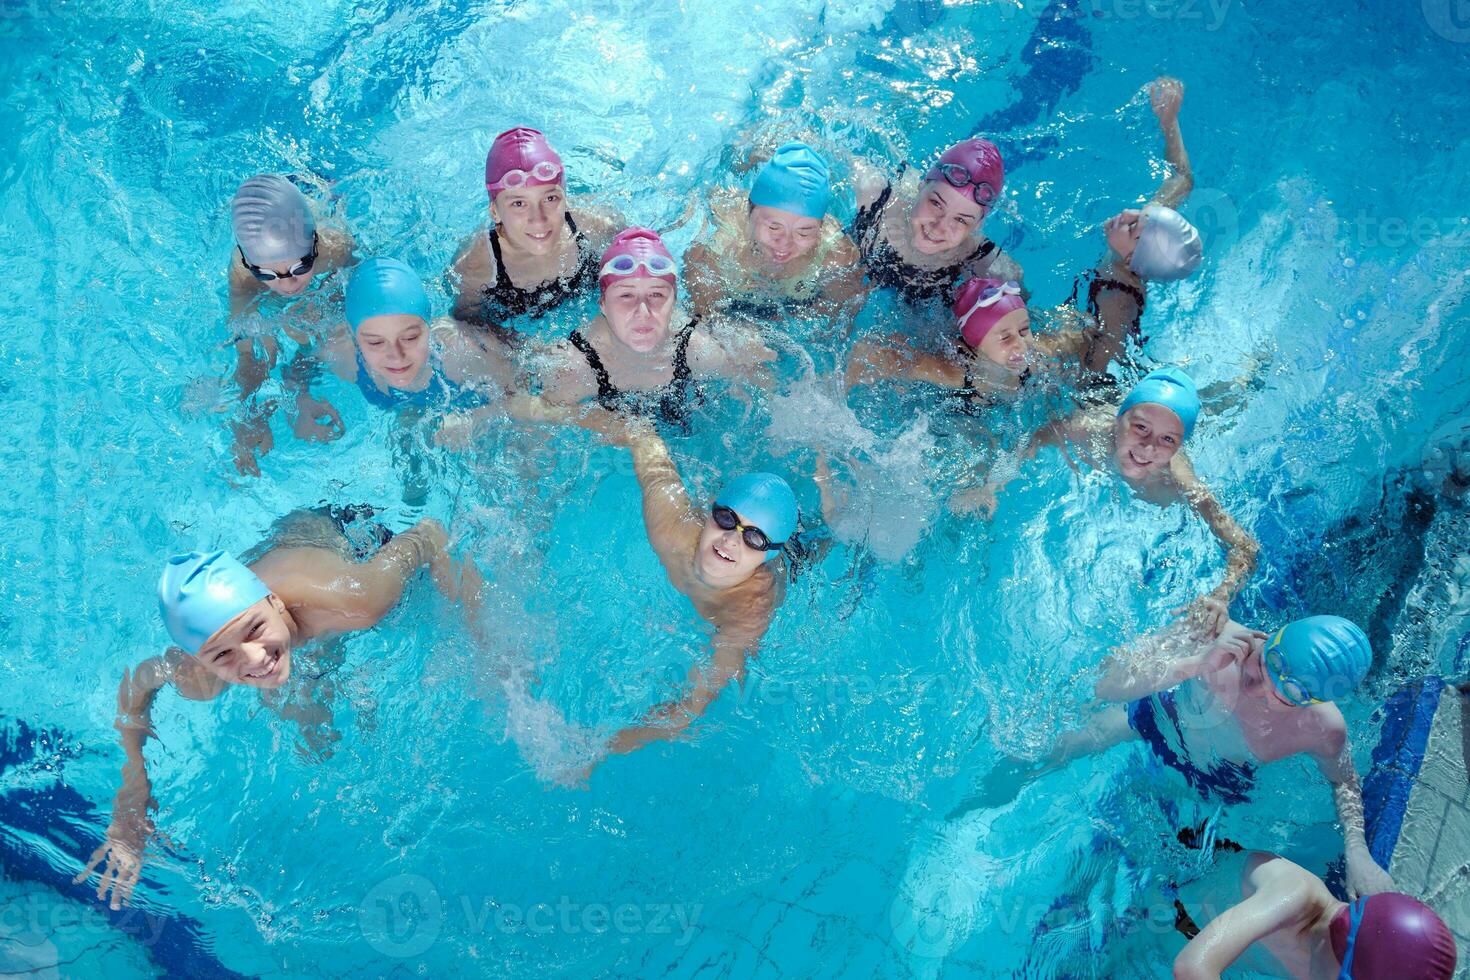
pixel 383 287
pixel 1326 656
pixel 1168 246
pixel 272 221
pixel 200 592
pixel 796 179
pixel 1171 388
pixel 764 500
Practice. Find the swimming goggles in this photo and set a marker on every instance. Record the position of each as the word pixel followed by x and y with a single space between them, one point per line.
pixel 1355 922
pixel 957 176
pixel 1290 687
pixel 270 275
pixel 627 265
pixel 754 537
pixel 543 171
pixel 991 295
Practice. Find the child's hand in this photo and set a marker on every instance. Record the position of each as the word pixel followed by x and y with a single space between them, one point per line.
pixel 1166 94
pixel 1364 876
pixel 1209 615
pixel 1232 646
pixel 316 420
pixel 252 435
pixel 121 857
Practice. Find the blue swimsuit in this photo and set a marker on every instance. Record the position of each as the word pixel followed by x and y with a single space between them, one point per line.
pixel 1152 716
pixel 440 393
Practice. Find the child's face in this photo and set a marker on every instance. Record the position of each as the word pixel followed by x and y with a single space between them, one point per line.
pixel 943 218
pixel 638 310
pixel 724 559
pixel 1145 438
pixel 395 347
pixel 782 235
pixel 253 649
pixel 1008 343
pixel 531 218
pixel 1122 232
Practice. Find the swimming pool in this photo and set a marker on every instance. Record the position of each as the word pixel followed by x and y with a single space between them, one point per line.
pixel 800 830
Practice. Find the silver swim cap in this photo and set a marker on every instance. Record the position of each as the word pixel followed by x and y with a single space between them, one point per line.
pixel 1168 246
pixel 272 220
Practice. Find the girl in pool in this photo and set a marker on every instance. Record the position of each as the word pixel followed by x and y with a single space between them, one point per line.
pixel 922 237
pixel 1141 441
pixel 777 253
pixel 279 252
pixel 1155 244
pixel 538 252
pixel 995 352
pixel 632 357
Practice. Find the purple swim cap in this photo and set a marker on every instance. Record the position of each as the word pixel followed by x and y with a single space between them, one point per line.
pixel 521 157
pixel 974 166
pixel 1392 936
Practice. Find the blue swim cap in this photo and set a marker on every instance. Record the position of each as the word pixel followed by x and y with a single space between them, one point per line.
pixel 383 287
pixel 200 592
pixel 1171 388
pixel 1326 656
pixel 764 500
pixel 796 179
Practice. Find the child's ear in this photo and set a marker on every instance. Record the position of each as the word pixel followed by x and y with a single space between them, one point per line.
pixel 277 604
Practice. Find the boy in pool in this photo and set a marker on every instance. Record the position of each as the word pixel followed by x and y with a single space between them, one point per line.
pixel 1215 710
pixel 721 561
pixel 1154 244
pixel 778 252
pixel 1141 440
pixel 1279 920
pixel 279 251
pixel 239 626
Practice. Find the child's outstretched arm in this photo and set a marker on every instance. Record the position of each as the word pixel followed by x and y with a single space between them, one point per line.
pixel 1241 549
pixel 1170 656
pixel 1364 875
pixel 1167 95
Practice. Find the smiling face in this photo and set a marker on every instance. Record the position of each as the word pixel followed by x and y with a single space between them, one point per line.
pixel 253 649
pixel 723 558
pixel 943 218
pixel 1122 232
pixel 395 347
pixel 781 236
pixel 1145 438
pixel 1009 344
pixel 638 311
pixel 531 218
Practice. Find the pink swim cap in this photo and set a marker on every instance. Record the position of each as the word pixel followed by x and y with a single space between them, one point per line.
pixel 1389 936
pixel 975 321
pixel 980 160
pixel 637 253
pixel 523 150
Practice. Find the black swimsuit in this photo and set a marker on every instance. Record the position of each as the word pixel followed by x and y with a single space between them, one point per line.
pixel 505 299
pixel 887 268
pixel 968 401
pixel 669 403
pixel 1096 285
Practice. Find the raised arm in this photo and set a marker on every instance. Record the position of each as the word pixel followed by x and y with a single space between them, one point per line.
pixel 1364 875
pixel 1166 95
pixel 1241 548
pixel 1171 656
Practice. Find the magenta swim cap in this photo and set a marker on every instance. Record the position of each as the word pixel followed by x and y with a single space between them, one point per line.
pixel 974 166
pixel 982 303
pixel 637 253
pixel 1391 936
pixel 522 152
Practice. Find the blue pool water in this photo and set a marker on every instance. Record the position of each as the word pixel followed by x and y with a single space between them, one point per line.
pixel 798 833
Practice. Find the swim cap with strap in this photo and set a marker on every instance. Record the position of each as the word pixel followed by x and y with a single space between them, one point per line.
pixel 981 161
pixel 1326 656
pixel 766 501
pixel 796 179
pixel 1390 936
pixel 202 591
pixel 1168 246
pixel 272 221
pixel 1171 388
pixel 640 248
pixel 976 321
pixel 524 150
pixel 382 287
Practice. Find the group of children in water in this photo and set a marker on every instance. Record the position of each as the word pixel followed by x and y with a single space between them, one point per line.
pixel 1213 700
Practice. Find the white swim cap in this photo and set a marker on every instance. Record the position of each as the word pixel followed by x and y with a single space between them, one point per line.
pixel 272 220
pixel 1168 246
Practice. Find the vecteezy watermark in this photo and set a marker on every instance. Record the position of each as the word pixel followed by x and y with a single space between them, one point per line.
pixel 1450 19
pixel 1209 14
pixel 36 915
pixel 404 916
